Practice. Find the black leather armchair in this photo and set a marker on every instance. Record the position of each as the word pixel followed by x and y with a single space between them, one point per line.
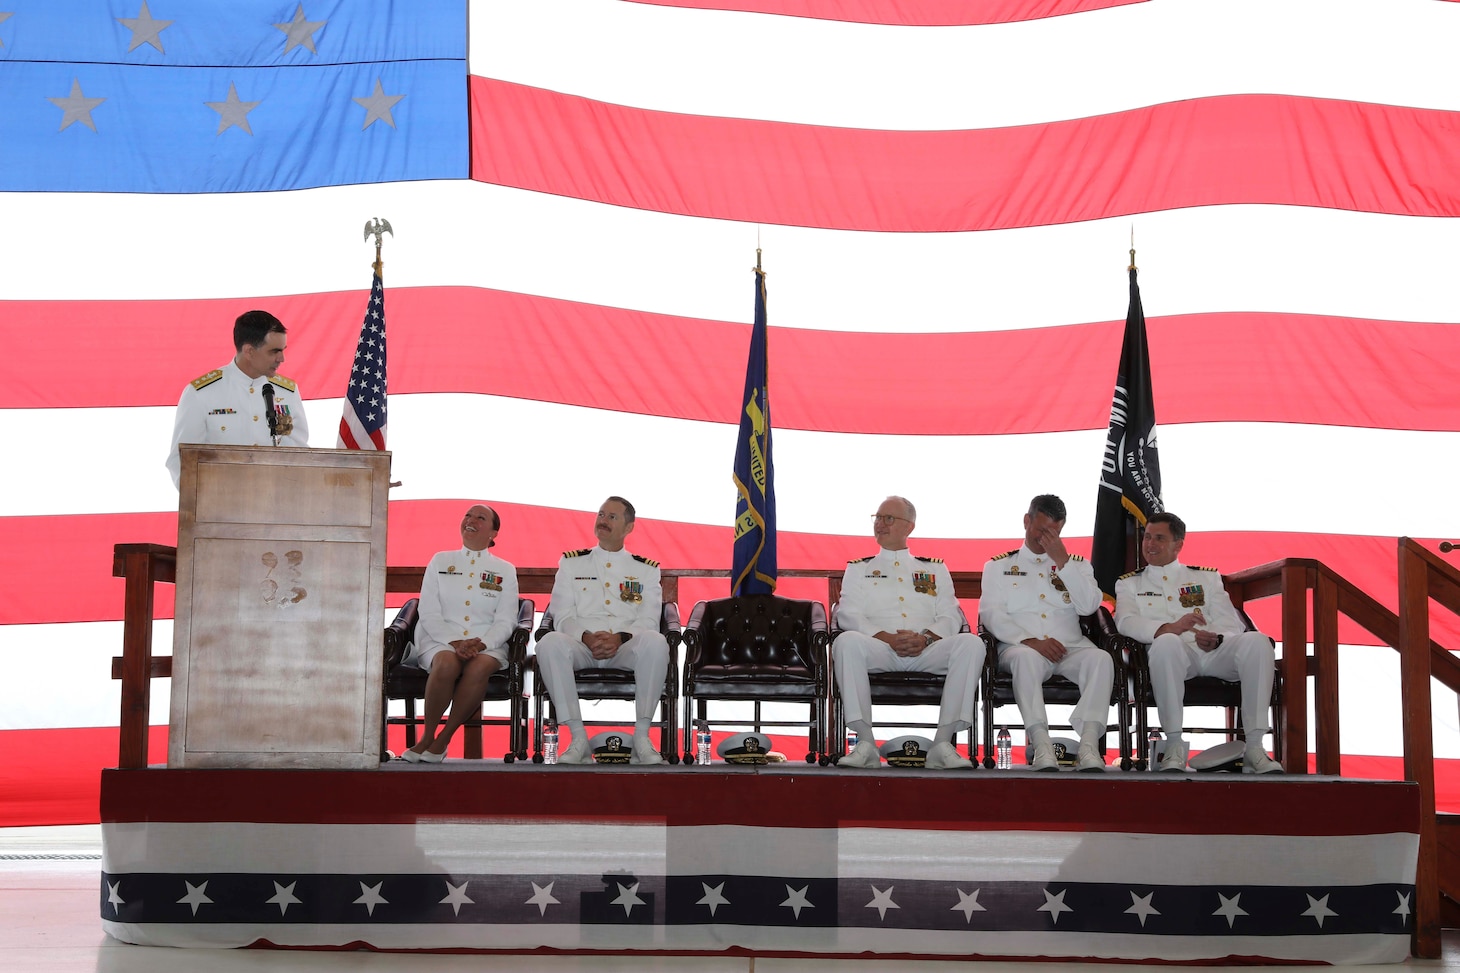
pixel 615 684
pixel 998 688
pixel 757 649
pixel 408 683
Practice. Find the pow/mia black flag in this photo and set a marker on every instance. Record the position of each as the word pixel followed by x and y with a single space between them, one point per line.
pixel 1130 472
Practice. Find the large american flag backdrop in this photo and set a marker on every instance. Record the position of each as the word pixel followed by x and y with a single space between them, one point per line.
pixel 944 193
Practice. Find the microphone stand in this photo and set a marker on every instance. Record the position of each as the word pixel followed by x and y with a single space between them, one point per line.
pixel 268 393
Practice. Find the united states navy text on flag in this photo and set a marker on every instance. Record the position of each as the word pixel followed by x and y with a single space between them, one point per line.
pixel 363 424
pixel 1130 473
pixel 754 570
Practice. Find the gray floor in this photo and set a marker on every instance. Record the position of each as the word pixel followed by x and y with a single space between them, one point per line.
pixel 48 922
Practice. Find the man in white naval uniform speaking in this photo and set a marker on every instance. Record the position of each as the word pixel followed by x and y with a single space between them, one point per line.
pixel 606 608
pixel 227 405
pixel 1032 601
pixel 898 613
pixel 1186 615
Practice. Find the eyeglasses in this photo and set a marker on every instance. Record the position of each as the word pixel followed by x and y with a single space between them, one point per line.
pixel 887 519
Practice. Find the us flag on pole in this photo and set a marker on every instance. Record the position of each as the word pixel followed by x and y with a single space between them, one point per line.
pixel 363 424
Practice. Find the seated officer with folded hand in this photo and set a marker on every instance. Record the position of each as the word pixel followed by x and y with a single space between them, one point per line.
pixel 606 605
pixel 1187 617
pixel 898 614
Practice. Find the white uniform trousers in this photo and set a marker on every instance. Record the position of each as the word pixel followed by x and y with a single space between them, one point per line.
pixel 1247 657
pixel 1088 668
pixel 960 656
pixel 559 656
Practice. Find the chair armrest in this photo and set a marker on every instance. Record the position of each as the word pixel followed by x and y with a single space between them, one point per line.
pixel 517 641
pixel 545 627
pixel 819 629
pixel 834 622
pixel 669 626
pixel 692 633
pixel 400 633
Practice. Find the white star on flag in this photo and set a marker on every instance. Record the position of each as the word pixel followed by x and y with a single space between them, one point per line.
pixel 113 896
pixel 542 897
pixel 1230 910
pixel 370 897
pixel 1054 905
pixel 197 895
pixel 882 901
pixel 1403 910
pixel 284 897
pixel 713 897
pixel 628 897
pixel 1318 909
pixel 1141 906
pixel 456 897
pixel 796 900
pixel 968 904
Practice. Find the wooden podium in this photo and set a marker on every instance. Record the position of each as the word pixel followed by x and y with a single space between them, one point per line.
pixel 276 658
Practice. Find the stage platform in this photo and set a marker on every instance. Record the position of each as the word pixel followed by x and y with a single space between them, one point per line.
pixel 782 860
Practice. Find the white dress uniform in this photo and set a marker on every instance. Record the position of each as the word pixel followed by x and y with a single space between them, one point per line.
pixel 604 591
pixel 465 594
pixel 893 590
pixel 1025 596
pixel 1146 600
pixel 225 407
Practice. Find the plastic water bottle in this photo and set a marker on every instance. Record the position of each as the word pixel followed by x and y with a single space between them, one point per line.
pixel 1004 750
pixel 851 739
pixel 1153 741
pixel 702 744
pixel 550 744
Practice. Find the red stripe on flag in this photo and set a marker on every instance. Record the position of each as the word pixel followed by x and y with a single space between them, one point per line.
pixel 900 13
pixel 1312 368
pixel 1275 149
pixel 34 551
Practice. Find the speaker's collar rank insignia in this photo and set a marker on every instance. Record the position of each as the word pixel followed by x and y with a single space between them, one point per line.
pixel 925 583
pixel 490 581
pixel 631 590
pixel 1192 596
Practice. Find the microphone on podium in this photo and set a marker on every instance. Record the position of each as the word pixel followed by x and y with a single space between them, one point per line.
pixel 268 392
pixel 1446 547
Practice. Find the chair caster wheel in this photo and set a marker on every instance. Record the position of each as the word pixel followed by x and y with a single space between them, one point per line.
pixel 811 758
pixel 823 760
pixel 537 758
pixel 508 758
pixel 673 759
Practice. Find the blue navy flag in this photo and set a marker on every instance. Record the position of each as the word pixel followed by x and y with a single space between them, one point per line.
pixel 754 570
pixel 363 424
pixel 1130 473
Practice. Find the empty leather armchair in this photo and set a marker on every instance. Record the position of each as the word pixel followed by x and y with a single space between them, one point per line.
pixel 757 649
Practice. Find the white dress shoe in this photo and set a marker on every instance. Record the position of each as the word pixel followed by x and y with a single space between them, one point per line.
pixel 410 756
pixel 1089 758
pixel 1258 762
pixel 644 753
pixel 865 755
pixel 577 753
pixel 1044 758
pixel 944 756
pixel 1175 759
